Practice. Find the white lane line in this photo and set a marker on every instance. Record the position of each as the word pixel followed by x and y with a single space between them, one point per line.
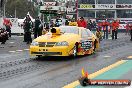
pixel 111 38
pixel 107 56
pixel 26 49
pixel 17 36
pixel 19 50
pixel 129 57
pixel 12 51
pixel 20 36
pixel 12 42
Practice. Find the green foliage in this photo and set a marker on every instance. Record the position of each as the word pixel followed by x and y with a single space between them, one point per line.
pixel 22 8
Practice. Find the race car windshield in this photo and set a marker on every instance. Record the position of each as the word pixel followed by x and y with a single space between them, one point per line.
pixel 69 30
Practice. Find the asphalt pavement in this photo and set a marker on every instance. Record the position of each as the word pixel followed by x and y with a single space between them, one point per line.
pixel 19 70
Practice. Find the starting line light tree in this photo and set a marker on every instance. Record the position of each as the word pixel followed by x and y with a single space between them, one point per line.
pixel 48 10
pixel 52 10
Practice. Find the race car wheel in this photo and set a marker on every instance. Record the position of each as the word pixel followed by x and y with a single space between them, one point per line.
pixel 75 51
pixel 39 56
pixel 94 46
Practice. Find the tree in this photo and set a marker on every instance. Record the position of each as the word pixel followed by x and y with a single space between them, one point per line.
pixel 22 7
pixel 1 3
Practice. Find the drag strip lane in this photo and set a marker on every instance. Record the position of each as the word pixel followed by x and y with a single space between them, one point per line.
pixel 59 73
pixel 93 75
pixel 51 71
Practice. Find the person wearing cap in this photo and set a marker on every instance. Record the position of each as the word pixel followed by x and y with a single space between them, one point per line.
pixel 82 23
pixel 115 26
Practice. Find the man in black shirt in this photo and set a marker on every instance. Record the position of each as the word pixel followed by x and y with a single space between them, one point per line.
pixel 37 30
pixel 27 30
pixel 90 25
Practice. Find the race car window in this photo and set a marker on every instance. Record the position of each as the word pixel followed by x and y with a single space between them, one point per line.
pixel 86 33
pixel 89 32
pixel 69 30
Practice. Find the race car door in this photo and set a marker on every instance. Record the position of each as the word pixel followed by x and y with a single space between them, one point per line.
pixel 86 43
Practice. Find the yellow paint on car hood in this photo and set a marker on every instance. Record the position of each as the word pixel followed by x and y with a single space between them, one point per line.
pixel 58 38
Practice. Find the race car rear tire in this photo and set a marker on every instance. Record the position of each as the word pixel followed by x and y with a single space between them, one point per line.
pixel 94 46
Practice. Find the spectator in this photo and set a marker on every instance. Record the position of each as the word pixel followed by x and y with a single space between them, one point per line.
pixel 52 23
pixel 131 32
pixel 130 28
pixel 46 30
pixel 98 34
pixel 58 22
pixel 90 25
pixel 127 28
pixel 105 25
pixel 3 35
pixel 82 23
pixel 37 30
pixel 73 23
pixel 94 25
pixel 67 22
pixel 27 30
pixel 99 25
pixel 115 26
pixel 8 25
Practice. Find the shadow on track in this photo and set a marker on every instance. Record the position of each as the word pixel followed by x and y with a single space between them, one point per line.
pixel 62 58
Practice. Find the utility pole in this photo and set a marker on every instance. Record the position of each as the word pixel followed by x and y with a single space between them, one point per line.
pixel 1 3
pixel 4 10
pixel 15 11
pixel 0 8
pixel 4 5
pixel 77 12
pixel 115 10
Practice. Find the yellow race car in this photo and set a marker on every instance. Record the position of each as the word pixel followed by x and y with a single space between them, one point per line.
pixel 65 41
